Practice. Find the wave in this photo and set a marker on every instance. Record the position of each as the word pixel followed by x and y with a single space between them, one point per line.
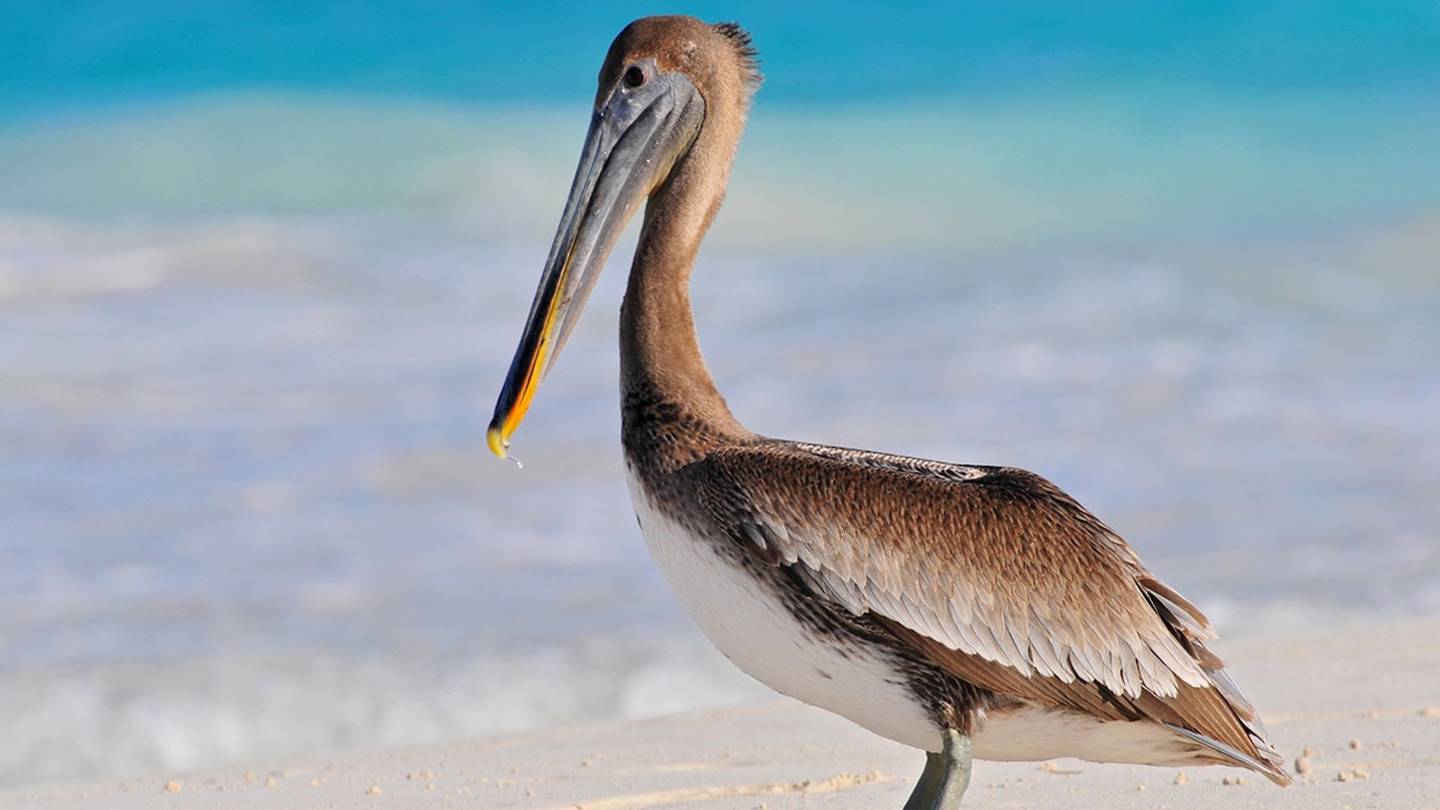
pixel 946 172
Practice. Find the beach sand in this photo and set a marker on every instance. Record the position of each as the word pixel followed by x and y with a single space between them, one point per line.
pixel 1360 702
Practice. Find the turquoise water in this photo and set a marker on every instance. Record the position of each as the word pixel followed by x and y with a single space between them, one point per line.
pixel 262 267
pixel 74 55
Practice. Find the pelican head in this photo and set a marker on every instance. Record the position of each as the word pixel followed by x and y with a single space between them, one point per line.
pixel 663 80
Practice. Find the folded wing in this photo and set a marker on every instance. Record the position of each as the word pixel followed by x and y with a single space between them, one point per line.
pixel 994 574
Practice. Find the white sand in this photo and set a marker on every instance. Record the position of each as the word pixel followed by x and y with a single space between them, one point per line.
pixel 1364 698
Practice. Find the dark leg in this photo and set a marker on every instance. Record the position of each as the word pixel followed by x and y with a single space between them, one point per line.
pixel 945 777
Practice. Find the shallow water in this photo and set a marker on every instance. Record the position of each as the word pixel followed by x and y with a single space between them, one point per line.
pixel 249 342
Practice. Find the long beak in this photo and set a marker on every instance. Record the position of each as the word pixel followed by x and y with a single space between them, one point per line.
pixel 633 141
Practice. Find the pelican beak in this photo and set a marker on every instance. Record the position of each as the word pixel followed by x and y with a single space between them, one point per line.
pixel 635 136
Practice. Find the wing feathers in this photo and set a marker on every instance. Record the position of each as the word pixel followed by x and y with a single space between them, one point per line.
pixel 994 574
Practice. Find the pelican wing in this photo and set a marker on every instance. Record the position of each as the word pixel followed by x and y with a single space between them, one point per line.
pixel 994 574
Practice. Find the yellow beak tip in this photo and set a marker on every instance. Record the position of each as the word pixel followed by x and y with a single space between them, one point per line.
pixel 496 441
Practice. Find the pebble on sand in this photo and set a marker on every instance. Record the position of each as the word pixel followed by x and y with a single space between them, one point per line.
pixel 1181 778
pixel 173 787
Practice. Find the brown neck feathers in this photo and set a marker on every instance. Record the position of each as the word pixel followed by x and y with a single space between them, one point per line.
pixel 665 385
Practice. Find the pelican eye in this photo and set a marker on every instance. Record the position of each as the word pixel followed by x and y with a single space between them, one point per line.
pixel 634 76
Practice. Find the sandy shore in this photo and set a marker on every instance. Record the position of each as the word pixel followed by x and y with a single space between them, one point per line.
pixel 1363 700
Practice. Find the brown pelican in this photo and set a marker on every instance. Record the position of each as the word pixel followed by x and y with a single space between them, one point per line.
pixel 963 610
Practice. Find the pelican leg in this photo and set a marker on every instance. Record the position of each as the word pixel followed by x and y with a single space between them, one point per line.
pixel 945 777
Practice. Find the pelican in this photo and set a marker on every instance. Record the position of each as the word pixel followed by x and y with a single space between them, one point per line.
pixel 965 610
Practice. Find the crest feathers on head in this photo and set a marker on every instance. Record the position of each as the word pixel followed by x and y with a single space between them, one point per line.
pixel 744 49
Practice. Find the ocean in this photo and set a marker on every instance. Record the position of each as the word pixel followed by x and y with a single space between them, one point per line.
pixel 262 267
